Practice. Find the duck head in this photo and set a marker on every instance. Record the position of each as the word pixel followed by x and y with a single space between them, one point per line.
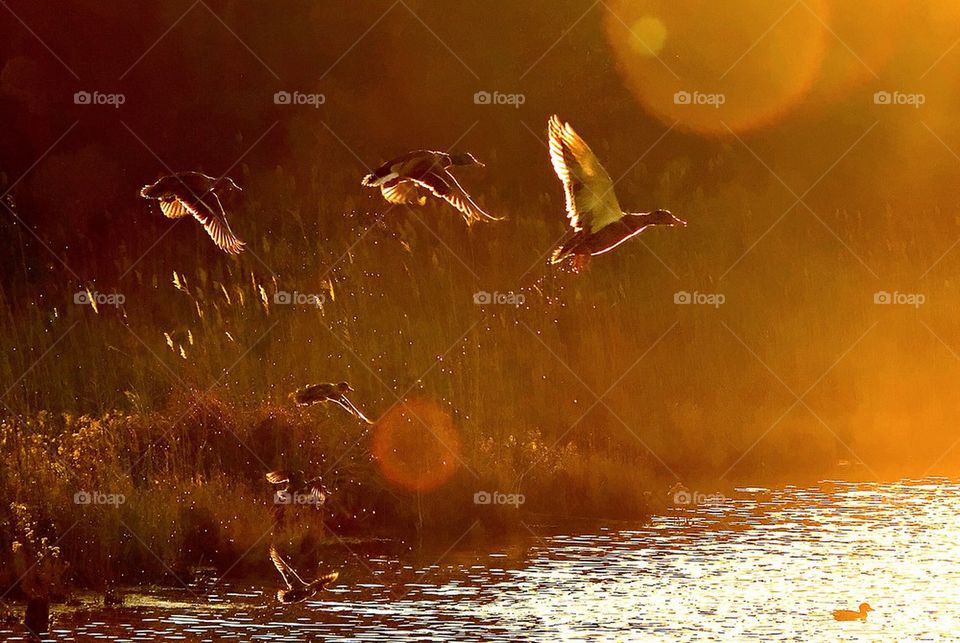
pixel 864 608
pixel 227 184
pixel 665 217
pixel 465 158
pixel 344 387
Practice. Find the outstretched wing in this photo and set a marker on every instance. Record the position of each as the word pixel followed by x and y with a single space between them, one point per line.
pixel 280 476
pixel 214 221
pixel 402 192
pixel 353 409
pixel 290 576
pixel 591 202
pixel 174 208
pixel 326 579
pixel 443 184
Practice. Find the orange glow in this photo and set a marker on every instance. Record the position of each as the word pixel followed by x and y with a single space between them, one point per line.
pixel 717 65
pixel 416 445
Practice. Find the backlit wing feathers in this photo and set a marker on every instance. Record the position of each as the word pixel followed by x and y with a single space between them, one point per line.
pixel 590 199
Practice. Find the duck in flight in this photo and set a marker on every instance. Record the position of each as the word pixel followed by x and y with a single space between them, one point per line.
pixel 598 223
pixel 850 615
pixel 294 483
pixel 329 392
pixel 297 589
pixel 197 195
pixel 405 179
pixel 293 487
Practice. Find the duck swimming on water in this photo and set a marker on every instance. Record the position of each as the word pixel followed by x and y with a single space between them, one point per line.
pixel 850 615
pixel 598 223
pixel 404 180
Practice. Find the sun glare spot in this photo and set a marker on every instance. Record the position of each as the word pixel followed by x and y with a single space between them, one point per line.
pixel 649 36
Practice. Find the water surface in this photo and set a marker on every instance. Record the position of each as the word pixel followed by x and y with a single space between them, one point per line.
pixel 763 565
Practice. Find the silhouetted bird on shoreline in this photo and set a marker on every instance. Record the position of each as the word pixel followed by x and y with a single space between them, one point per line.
pixel 598 223
pixel 328 392
pixel 850 615
pixel 402 180
pixel 297 589
pixel 197 195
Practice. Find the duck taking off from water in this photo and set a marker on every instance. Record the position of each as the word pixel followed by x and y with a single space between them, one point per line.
pixel 850 615
pixel 598 223
pixel 328 392
pixel 197 195
pixel 297 589
pixel 404 180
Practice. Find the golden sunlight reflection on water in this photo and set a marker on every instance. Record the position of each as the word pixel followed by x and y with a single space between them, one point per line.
pixel 763 565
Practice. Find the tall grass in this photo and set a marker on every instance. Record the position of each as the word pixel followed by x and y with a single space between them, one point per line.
pixel 177 399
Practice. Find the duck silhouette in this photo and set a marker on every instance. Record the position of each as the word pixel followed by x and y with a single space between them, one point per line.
pixel 297 589
pixel 405 179
pixel 598 223
pixel 850 615
pixel 197 195
pixel 329 392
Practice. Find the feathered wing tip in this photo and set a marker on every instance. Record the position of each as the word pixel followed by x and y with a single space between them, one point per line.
pixel 329 578
pixel 276 477
pixel 557 256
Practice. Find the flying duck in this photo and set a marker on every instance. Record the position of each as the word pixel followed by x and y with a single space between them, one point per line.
pixel 197 195
pixel 404 179
pixel 294 483
pixel 850 615
pixel 598 223
pixel 328 392
pixel 297 589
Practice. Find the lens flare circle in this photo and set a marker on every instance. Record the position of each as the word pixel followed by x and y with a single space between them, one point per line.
pixel 716 66
pixel 416 445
